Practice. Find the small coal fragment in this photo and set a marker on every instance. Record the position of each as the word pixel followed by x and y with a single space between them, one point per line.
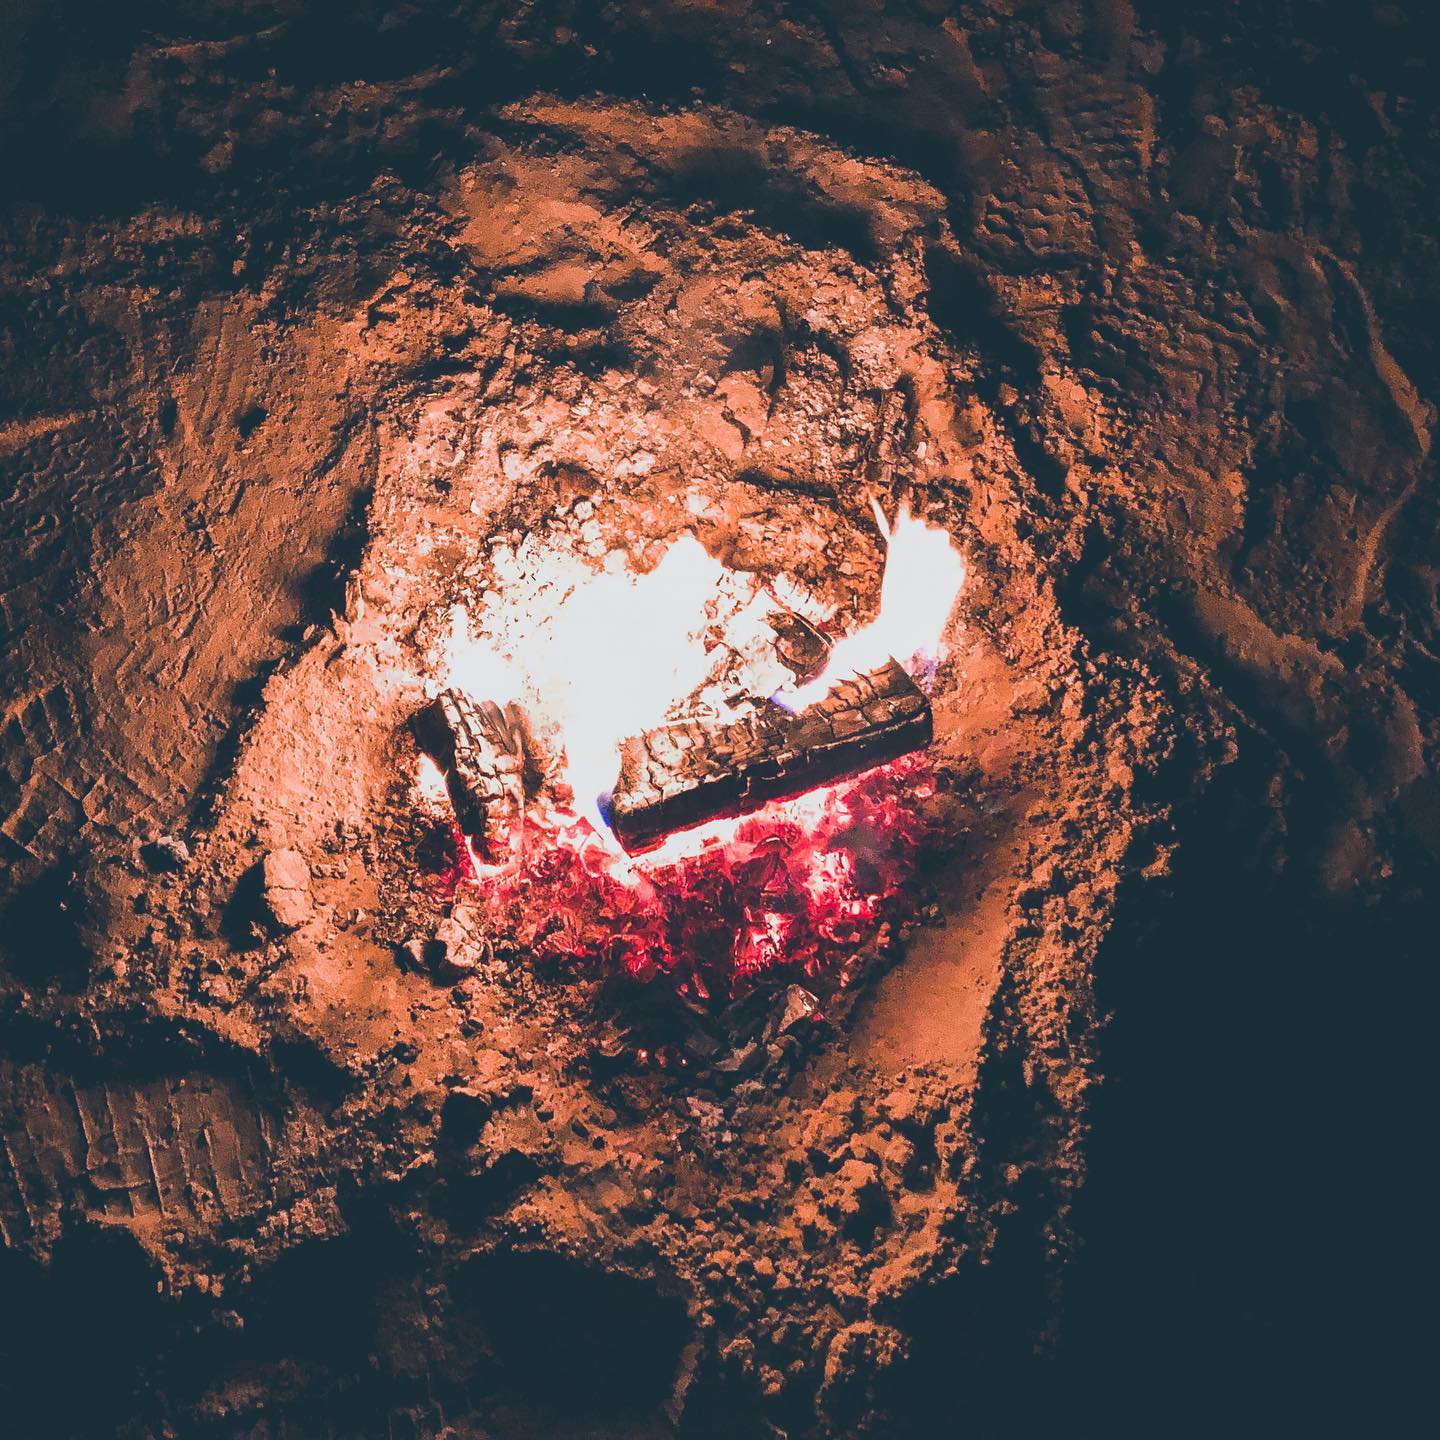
pixel 701 1047
pixel 741 1062
pixel 612 1051
pixel 794 1004
pixel 682 775
pixel 800 646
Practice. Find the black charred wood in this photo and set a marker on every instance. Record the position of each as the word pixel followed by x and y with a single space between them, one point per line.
pixel 483 752
pixel 682 775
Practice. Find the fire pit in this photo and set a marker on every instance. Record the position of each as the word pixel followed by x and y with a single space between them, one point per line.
pixel 650 861
pixel 603 736
pixel 508 800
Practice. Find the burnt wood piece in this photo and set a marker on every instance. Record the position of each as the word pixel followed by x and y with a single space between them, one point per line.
pixel 483 752
pixel 681 775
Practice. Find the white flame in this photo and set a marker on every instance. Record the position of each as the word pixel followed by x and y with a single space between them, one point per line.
pixel 611 655
pixel 924 573
pixel 477 668
pixel 428 793
pixel 597 657
pixel 623 652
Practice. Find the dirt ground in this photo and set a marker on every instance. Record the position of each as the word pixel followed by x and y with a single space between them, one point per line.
pixel 311 314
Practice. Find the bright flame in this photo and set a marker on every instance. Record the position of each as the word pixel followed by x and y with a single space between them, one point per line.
pixel 596 657
pixel 429 794
pixel 623 654
pixel 924 573
pixel 607 656
pixel 473 666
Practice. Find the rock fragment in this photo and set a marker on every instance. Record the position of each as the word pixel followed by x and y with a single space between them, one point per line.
pixel 794 1004
pixel 453 952
pixel 285 881
pixel 166 853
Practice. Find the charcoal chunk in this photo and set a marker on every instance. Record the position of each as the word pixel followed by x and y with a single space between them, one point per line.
pixel 486 755
pixel 681 775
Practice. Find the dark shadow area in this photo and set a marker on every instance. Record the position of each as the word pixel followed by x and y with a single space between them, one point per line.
pixel 566 1337
pixel 323 590
pixel 40 926
pixel 739 180
pixel 75 1339
pixel 241 914
pixel 573 317
pixel 963 303
pixel 316 1304
pixel 1244 1228
pixel 973 1367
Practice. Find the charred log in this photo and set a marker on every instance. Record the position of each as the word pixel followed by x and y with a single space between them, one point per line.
pixel 681 775
pixel 489 759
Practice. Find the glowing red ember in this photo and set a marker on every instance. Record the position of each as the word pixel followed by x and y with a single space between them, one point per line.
pixel 802 886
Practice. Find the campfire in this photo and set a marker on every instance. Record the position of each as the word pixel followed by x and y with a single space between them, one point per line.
pixel 687 770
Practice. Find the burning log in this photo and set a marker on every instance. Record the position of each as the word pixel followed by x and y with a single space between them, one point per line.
pixel 684 774
pixel 489 760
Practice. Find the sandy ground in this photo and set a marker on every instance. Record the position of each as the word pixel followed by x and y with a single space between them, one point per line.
pixel 301 317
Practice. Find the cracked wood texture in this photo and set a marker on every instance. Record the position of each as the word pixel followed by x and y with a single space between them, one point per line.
pixel 677 776
pixel 481 751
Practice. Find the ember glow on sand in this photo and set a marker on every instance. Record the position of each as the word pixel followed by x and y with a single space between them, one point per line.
pixel 595 656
